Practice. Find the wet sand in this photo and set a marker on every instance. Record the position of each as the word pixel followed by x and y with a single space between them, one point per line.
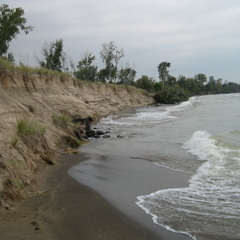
pixel 120 180
pixel 67 210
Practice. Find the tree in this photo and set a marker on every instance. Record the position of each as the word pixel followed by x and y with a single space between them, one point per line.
pixel 231 87
pixel 146 83
pixel 171 80
pixel 11 23
pixel 201 78
pixel 127 75
pixel 85 70
pixel 157 86
pixel 102 75
pixel 54 56
pixel 181 81
pixel 163 72
pixel 111 56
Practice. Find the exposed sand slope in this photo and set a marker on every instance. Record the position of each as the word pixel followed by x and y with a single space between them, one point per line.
pixel 37 98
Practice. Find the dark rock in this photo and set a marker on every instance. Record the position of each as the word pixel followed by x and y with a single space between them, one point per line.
pixel 106 136
pixel 79 134
pixel 87 121
pixel 91 133
pixel 100 132
pixel 120 136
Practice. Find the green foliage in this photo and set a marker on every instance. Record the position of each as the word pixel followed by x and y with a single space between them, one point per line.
pixel 26 127
pixel 230 87
pixel 163 72
pixel 200 78
pixel 145 83
pixel 61 120
pixel 111 56
pixel 9 57
pixel 85 70
pixel 157 86
pixel 171 95
pixel 126 76
pixel 199 85
pixel 6 64
pixel 102 75
pixel 11 22
pixel 54 57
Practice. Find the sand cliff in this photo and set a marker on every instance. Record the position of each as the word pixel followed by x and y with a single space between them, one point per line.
pixel 37 98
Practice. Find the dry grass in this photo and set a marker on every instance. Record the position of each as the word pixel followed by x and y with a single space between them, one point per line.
pixel 30 70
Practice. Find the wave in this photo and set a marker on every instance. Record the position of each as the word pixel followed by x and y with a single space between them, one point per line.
pixel 160 113
pixel 203 146
pixel 210 204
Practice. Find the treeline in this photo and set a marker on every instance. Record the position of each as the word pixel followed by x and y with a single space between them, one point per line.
pixel 179 89
pixel 197 85
pixel 200 85
pixel 52 56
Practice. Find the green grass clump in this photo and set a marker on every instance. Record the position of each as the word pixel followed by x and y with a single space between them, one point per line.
pixel 61 120
pixel 6 64
pixel 26 127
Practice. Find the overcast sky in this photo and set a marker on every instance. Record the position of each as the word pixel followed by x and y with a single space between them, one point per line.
pixel 196 36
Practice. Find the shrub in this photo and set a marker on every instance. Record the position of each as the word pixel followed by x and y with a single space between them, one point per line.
pixel 171 95
pixel 26 127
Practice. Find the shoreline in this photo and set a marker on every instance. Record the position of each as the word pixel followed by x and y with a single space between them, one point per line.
pixel 65 209
pixel 120 181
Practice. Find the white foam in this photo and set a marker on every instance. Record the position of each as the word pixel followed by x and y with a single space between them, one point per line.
pixel 182 106
pixel 174 169
pixel 213 195
pixel 141 203
pixel 222 163
pixel 203 146
pixel 158 115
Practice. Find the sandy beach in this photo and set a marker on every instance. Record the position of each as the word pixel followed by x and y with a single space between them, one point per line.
pixel 67 210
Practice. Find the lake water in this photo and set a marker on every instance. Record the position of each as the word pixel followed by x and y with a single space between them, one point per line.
pixel 200 139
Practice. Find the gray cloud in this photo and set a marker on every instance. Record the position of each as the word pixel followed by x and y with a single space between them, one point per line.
pixel 195 36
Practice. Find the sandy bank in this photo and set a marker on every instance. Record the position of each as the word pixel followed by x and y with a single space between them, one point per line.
pixel 39 97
